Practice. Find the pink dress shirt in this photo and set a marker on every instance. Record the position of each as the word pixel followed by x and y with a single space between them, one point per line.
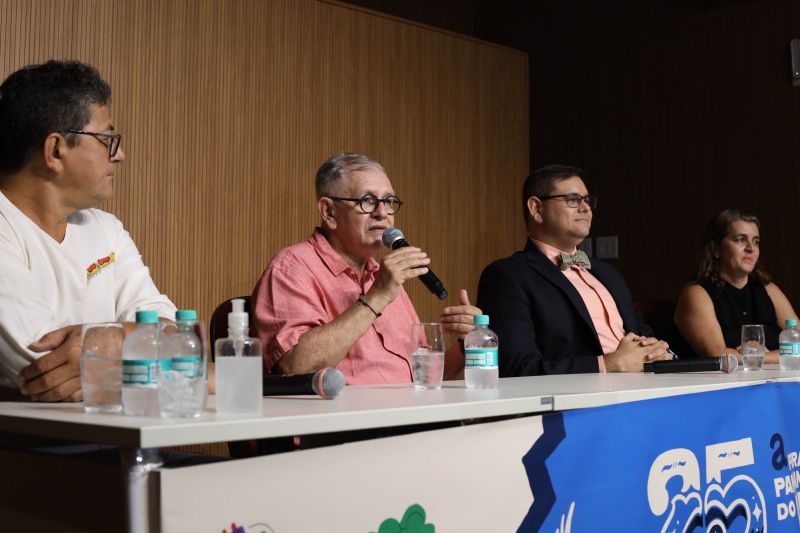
pixel 599 302
pixel 310 284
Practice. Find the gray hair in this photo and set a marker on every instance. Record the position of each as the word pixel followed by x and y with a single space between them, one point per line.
pixel 340 165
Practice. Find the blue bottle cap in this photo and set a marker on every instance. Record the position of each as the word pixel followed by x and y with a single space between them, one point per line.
pixel 481 320
pixel 185 315
pixel 791 322
pixel 147 316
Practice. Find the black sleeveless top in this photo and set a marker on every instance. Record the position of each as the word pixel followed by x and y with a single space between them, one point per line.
pixel 749 305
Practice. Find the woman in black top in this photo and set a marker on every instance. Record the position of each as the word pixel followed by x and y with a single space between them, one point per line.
pixel 731 290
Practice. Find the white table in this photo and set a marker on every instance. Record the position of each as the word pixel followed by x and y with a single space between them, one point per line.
pixel 358 408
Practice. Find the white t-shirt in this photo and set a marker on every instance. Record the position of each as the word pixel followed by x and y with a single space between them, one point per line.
pixel 95 275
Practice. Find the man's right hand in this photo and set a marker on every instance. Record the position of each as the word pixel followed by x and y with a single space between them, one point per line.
pixel 56 376
pixel 396 267
pixel 633 351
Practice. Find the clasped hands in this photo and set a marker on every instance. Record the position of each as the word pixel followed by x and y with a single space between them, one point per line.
pixel 55 376
pixel 635 350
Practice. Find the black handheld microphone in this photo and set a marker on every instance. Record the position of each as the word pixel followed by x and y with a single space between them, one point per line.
pixel 726 363
pixel 327 383
pixel 393 238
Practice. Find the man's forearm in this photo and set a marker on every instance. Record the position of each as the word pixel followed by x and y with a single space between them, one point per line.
pixel 328 344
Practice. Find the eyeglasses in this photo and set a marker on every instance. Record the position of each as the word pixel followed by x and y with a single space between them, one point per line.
pixel 111 140
pixel 574 199
pixel 369 203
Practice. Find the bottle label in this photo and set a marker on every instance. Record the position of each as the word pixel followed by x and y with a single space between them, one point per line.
pixel 790 348
pixel 140 372
pixel 188 366
pixel 480 358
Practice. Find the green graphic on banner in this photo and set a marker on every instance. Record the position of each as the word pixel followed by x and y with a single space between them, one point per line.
pixel 413 522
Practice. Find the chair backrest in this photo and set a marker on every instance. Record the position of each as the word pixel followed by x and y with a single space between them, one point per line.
pixel 658 314
pixel 218 327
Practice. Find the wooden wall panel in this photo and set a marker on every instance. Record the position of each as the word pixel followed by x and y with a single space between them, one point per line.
pixel 229 107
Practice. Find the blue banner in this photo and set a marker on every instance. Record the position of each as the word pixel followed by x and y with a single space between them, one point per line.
pixel 724 461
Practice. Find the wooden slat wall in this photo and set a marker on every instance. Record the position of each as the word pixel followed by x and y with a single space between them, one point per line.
pixel 229 107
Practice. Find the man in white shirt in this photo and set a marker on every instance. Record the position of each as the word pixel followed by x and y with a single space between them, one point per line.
pixel 64 263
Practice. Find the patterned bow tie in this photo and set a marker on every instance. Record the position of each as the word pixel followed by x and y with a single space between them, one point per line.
pixel 578 259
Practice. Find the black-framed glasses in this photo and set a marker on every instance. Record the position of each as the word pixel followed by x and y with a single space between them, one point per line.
pixel 369 203
pixel 574 199
pixel 111 140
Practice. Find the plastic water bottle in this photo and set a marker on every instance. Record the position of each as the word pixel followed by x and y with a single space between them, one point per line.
pixel 183 388
pixel 789 342
pixel 238 359
pixel 480 350
pixel 141 365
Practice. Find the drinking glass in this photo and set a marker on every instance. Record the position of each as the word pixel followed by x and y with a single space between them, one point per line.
pixel 753 347
pixel 101 367
pixel 183 377
pixel 427 355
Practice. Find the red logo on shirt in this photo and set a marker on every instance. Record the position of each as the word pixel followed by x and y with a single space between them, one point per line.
pixel 93 269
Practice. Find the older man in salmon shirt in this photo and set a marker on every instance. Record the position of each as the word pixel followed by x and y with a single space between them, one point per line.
pixel 327 302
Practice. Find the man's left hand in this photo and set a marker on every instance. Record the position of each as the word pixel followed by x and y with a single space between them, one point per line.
pixel 660 350
pixel 458 319
pixel 55 377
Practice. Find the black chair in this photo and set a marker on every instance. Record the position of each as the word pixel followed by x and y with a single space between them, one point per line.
pixel 659 315
pixel 218 329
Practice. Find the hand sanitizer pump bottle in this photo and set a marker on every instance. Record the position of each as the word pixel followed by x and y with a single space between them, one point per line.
pixel 238 365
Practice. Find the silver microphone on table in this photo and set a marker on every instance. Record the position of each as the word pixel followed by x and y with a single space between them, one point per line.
pixel 327 383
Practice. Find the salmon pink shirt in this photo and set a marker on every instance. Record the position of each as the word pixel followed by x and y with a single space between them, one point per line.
pixel 310 284
pixel 599 302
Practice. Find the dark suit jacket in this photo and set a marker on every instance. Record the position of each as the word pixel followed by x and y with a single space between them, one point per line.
pixel 542 323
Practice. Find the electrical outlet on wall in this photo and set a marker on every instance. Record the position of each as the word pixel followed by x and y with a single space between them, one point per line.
pixel 607 247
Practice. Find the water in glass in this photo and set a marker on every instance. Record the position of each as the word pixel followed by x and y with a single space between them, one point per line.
pixel 101 367
pixel 101 381
pixel 427 368
pixel 753 348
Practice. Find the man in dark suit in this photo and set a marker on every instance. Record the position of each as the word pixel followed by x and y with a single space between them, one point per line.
pixel 553 310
